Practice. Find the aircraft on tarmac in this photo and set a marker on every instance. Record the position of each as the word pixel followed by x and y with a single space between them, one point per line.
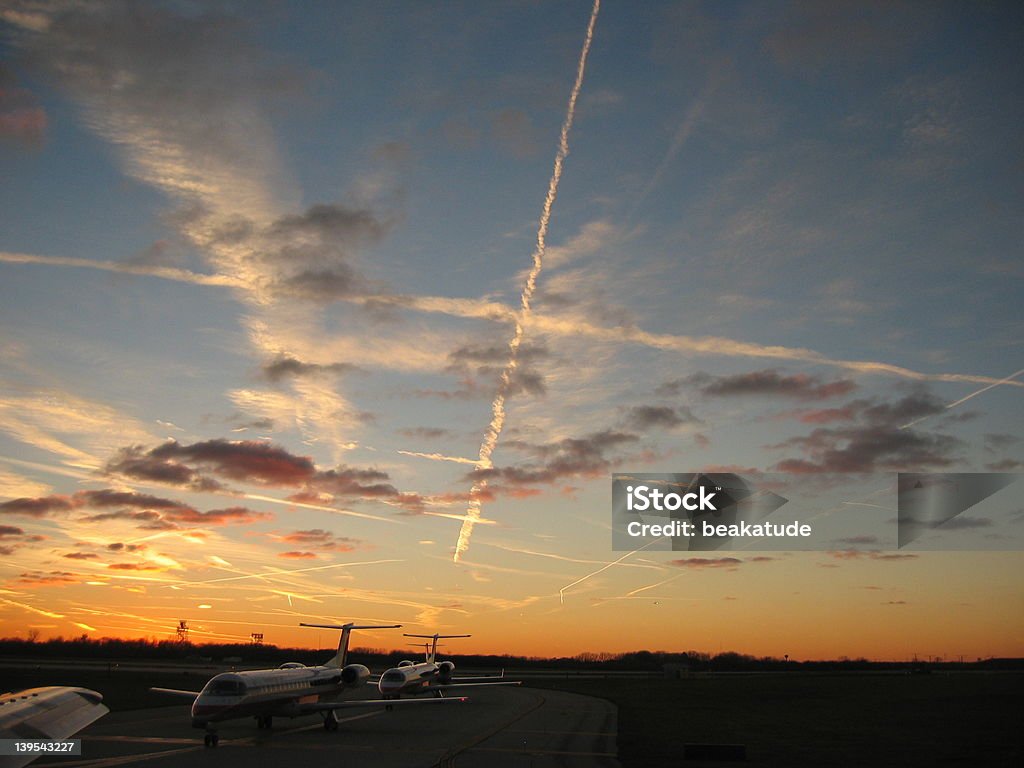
pixel 430 675
pixel 54 712
pixel 291 690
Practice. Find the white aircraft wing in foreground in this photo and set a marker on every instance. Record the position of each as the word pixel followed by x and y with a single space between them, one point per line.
pixel 51 713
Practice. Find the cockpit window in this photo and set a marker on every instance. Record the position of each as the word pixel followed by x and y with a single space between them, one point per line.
pixel 393 677
pixel 226 688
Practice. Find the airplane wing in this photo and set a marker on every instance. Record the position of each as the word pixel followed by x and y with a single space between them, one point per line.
pixel 458 684
pixel 175 692
pixel 53 712
pixel 480 679
pixel 327 706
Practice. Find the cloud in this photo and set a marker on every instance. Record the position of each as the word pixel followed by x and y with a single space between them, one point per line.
pixel 962 523
pixel 1006 465
pixel 770 383
pixel 257 462
pixel 860 554
pixel 868 449
pixel 46 579
pixel 15 486
pixel 856 540
pixel 66 425
pixel 135 463
pixel 249 461
pixel 645 417
pixel 823 415
pixel 285 367
pixel 917 404
pixel 13 538
pixel 322 540
pixel 146 518
pixel 183 94
pixel 41 507
pixel 426 433
pixel 150 512
pixel 877 442
pixel 260 463
pixel 706 562
pixel 228 516
pixel 482 368
pixel 132 567
pixel 111 498
pixel 350 481
pixel 82 556
pixel 22 120
pixel 995 442
pixel 588 456
pixel 118 546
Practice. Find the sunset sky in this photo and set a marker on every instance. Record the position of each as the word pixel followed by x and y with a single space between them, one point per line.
pixel 264 356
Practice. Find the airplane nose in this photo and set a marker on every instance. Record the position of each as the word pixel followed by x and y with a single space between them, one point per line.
pixel 203 710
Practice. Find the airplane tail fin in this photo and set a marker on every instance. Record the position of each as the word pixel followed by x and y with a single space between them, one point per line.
pixel 346 631
pixel 432 655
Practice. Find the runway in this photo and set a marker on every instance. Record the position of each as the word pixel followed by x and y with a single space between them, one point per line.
pixel 500 727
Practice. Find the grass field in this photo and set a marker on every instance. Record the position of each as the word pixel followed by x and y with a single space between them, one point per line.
pixel 968 719
pixel 941 719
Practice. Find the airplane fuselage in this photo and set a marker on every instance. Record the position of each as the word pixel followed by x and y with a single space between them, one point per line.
pixel 272 692
pixel 410 679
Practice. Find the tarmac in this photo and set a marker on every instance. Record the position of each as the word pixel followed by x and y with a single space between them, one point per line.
pixel 500 727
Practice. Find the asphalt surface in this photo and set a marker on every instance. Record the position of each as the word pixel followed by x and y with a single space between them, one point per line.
pixel 500 727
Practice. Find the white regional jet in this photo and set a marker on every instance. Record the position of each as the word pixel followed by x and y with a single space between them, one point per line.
pixel 289 691
pixel 51 713
pixel 430 676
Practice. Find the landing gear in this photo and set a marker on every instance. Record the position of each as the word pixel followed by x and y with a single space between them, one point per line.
pixel 210 739
pixel 438 694
pixel 264 723
pixel 331 721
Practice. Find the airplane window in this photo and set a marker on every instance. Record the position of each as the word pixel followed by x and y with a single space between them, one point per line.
pixel 227 688
pixel 394 677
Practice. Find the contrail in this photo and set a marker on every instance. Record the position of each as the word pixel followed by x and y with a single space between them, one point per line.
pixel 439 457
pixel 561 592
pixel 1009 379
pixel 145 270
pixel 498 406
pixel 496 311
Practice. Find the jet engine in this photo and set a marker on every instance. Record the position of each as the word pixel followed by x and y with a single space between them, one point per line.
pixel 445 670
pixel 355 675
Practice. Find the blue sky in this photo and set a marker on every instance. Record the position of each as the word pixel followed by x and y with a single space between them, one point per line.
pixel 292 239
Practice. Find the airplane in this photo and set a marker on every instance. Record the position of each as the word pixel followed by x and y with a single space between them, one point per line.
pixel 54 712
pixel 291 690
pixel 430 675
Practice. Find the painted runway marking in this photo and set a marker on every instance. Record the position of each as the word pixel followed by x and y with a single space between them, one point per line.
pixel 564 733
pixel 528 751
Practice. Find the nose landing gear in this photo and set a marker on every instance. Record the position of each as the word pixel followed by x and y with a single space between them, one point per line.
pixel 331 720
pixel 211 739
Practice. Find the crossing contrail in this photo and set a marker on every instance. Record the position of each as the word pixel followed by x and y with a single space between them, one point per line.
pixel 1009 379
pixel 498 406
